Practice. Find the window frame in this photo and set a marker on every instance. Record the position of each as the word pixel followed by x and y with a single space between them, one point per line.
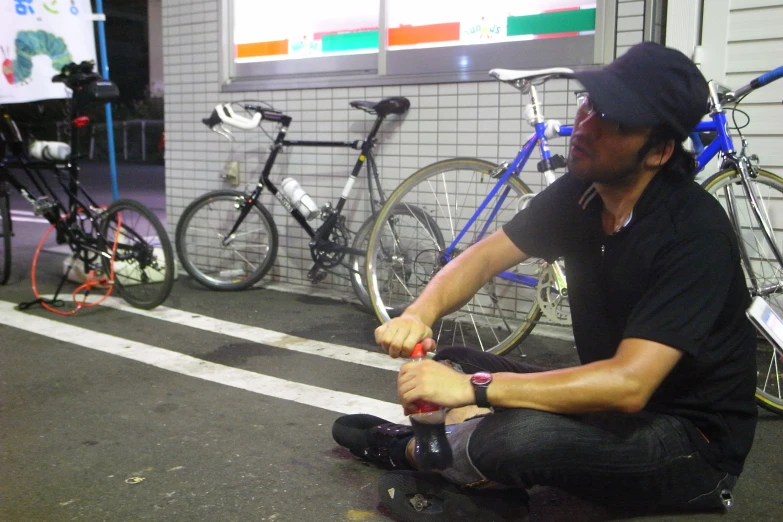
pixel 579 51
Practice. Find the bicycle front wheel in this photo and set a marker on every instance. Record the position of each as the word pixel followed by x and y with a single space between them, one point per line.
pixel 405 251
pixel 216 260
pixel 5 241
pixel 763 272
pixel 143 260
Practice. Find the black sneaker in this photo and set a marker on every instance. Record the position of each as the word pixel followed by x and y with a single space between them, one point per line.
pixel 374 439
pixel 415 496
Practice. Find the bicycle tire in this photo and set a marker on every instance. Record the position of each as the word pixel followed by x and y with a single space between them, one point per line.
pixel 143 263
pixel 401 260
pixel 361 240
pixel 199 240
pixel 5 230
pixel 764 265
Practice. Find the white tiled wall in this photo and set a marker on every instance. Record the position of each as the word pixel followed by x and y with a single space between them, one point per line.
pixel 480 119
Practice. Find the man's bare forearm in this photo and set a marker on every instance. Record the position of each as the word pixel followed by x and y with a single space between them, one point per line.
pixel 457 282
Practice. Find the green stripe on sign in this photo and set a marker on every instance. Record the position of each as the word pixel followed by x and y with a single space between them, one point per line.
pixel 332 43
pixel 547 23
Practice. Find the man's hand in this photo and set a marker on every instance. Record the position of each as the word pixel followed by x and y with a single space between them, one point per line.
pixel 401 334
pixel 433 382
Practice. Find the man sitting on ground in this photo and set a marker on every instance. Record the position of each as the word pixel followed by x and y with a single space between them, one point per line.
pixel 661 411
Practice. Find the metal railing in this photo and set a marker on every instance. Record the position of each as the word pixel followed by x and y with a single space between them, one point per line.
pixel 134 140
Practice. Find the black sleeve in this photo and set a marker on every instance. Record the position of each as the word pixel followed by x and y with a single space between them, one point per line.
pixel 541 229
pixel 689 285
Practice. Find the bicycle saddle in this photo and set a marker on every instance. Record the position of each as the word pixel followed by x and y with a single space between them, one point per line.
pixel 537 75
pixel 393 105
pixel 75 75
pixel 87 85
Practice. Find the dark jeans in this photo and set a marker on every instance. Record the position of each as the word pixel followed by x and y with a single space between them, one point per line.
pixel 642 459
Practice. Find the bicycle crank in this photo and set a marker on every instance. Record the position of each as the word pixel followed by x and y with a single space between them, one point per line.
pixel 552 298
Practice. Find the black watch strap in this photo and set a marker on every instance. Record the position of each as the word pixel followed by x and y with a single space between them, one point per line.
pixel 481 396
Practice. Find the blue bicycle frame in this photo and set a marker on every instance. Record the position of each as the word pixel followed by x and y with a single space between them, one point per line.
pixel 723 144
pixel 516 166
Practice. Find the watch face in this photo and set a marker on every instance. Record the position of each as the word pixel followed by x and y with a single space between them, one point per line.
pixel 481 378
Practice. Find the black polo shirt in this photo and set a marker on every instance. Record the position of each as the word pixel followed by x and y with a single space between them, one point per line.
pixel 672 275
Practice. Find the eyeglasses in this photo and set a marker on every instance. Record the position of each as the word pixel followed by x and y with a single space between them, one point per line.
pixel 587 107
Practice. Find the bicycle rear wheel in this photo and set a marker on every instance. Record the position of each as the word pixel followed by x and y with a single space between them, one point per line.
pixel 763 273
pixel 361 242
pixel 404 253
pixel 143 262
pixel 222 263
pixel 5 240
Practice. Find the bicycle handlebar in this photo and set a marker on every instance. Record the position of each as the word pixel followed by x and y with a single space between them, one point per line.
pixel 761 81
pixel 224 113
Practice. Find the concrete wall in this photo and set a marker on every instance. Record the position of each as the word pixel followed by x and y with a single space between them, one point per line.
pixel 481 119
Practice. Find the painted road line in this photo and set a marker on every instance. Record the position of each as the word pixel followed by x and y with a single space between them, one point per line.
pixel 22 212
pixel 193 367
pixel 262 336
pixel 24 219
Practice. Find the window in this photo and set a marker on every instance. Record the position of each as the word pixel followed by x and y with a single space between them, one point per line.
pixel 328 43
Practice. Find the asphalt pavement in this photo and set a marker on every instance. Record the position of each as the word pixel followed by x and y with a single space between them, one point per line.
pixel 219 406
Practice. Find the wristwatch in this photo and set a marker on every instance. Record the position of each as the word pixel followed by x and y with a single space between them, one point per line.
pixel 480 382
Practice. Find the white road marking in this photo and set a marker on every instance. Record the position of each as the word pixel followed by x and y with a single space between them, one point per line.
pixel 262 336
pixel 193 367
pixel 28 219
pixel 22 212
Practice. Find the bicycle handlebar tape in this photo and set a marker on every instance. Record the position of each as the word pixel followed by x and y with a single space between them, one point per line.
pixel 432 451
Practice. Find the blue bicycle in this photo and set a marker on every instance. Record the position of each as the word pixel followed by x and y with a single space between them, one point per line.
pixel 467 199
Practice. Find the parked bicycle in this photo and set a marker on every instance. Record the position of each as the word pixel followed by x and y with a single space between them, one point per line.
pixel 227 240
pixel 123 246
pixel 467 199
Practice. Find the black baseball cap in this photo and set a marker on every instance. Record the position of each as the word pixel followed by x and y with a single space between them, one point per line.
pixel 650 85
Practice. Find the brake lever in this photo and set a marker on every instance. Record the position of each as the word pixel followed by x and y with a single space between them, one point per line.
pixel 226 133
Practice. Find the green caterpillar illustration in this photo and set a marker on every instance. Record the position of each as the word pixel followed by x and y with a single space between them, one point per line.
pixel 33 43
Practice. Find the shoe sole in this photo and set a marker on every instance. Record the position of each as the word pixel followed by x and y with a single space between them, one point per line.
pixel 446 502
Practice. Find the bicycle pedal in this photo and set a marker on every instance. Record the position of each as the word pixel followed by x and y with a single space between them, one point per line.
pixel 316 274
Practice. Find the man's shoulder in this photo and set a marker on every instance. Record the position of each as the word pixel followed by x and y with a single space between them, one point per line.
pixel 693 202
pixel 569 187
pixel 692 207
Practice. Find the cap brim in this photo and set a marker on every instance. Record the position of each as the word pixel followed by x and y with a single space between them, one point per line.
pixel 615 100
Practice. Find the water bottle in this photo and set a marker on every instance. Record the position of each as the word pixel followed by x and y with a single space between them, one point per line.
pixel 432 451
pixel 50 150
pixel 296 195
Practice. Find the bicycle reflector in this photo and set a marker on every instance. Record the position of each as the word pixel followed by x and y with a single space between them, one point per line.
pixel 81 121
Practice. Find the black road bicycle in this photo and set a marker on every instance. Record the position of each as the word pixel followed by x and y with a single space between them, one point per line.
pixel 123 246
pixel 227 240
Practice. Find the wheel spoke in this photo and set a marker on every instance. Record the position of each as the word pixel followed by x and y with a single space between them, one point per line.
pixel 432 208
pixel 763 272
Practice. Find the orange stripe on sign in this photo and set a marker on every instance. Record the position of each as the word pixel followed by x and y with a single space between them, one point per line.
pixel 420 34
pixel 252 50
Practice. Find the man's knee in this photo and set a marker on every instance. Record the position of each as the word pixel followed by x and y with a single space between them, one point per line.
pixel 456 354
pixel 509 442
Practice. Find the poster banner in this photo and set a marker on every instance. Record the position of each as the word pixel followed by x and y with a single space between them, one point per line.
pixel 38 37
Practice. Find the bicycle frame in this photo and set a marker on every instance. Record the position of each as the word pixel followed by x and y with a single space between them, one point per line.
pixel 364 146
pixel 540 137
pixel 45 200
pixel 723 146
